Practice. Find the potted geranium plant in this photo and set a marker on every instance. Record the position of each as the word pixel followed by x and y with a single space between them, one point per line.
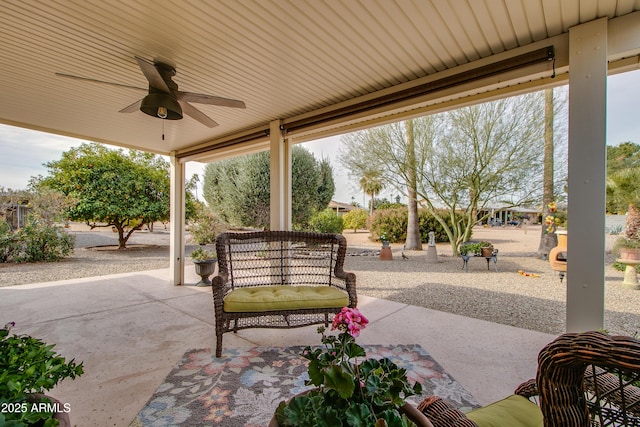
pixel 205 262
pixel 350 389
pixel 28 367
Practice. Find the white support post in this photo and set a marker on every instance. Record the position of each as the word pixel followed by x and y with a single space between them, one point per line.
pixel 280 158
pixel 176 219
pixel 587 173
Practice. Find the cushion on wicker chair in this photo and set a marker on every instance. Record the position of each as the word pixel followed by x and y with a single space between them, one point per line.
pixel 267 298
pixel 513 411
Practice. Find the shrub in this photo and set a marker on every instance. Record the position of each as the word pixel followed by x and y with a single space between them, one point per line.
pixel 326 221
pixel 393 222
pixel 8 244
pixel 41 242
pixel 27 366
pixel 206 227
pixel 36 241
pixel 355 219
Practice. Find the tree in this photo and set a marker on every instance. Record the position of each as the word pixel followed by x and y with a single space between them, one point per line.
pixel 623 156
pixel 464 159
pixel 413 241
pixel 390 151
pixel 237 189
pixel 112 188
pixel 371 184
pixel 486 154
pixel 327 187
pixel 547 240
pixel 623 177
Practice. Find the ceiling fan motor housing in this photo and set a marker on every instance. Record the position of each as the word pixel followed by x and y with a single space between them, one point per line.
pixel 160 103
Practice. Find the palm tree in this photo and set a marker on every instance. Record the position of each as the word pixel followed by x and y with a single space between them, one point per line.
pixel 547 240
pixel 371 184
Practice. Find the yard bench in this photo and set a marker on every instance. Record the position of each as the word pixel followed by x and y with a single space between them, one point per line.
pixel 279 279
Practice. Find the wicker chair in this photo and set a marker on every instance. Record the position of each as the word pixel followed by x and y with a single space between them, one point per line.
pixel 586 379
pixel 590 379
pixel 279 279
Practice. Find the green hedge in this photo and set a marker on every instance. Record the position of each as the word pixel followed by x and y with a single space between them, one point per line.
pixel 394 223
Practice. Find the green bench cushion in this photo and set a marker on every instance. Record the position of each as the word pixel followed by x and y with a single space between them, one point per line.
pixel 513 411
pixel 268 298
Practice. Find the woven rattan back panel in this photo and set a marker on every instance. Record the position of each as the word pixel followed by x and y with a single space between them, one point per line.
pixel 590 379
pixel 280 258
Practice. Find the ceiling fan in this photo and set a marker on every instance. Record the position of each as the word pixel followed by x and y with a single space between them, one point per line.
pixel 164 100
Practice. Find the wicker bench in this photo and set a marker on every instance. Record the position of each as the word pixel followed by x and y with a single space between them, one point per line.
pixel 279 279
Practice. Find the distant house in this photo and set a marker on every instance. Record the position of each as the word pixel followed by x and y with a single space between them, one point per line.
pixel 341 208
pixel 514 215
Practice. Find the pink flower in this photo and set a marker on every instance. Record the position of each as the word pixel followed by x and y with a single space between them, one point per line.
pixel 349 320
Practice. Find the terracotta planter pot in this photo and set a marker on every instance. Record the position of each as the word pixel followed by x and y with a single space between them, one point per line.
pixel 630 253
pixel 61 412
pixel 386 254
pixel 486 251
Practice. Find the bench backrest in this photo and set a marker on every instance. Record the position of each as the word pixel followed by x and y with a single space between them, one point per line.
pixel 281 258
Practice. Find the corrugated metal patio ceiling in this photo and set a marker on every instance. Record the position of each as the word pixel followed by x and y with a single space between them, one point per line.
pixel 283 58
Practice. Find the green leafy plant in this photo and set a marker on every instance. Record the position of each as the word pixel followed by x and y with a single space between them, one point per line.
pixel 348 392
pixel 202 254
pixel 28 366
pixel 624 242
pixel 473 248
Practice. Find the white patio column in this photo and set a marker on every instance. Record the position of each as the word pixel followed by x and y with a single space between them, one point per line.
pixel 280 156
pixel 176 219
pixel 587 173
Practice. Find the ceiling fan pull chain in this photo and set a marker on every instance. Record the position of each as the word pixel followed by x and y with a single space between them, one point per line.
pixel 163 129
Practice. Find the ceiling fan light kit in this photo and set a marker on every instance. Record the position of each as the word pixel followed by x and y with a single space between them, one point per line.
pixel 161 105
pixel 164 100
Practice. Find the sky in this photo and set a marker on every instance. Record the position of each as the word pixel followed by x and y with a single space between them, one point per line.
pixel 23 152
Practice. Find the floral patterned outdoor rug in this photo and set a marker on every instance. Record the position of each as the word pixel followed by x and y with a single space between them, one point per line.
pixel 244 387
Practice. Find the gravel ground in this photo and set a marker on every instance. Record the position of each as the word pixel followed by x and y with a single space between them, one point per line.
pixel 536 303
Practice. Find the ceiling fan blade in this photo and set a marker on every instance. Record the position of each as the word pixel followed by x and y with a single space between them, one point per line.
pixel 196 114
pixel 210 99
pixel 153 75
pixel 132 108
pixel 87 79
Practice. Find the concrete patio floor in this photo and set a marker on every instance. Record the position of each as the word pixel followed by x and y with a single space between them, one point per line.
pixel 131 329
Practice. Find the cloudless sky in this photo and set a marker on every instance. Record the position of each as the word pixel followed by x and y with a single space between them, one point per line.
pixel 23 152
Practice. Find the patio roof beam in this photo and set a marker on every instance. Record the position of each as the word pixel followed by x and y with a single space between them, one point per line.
pixel 542 55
